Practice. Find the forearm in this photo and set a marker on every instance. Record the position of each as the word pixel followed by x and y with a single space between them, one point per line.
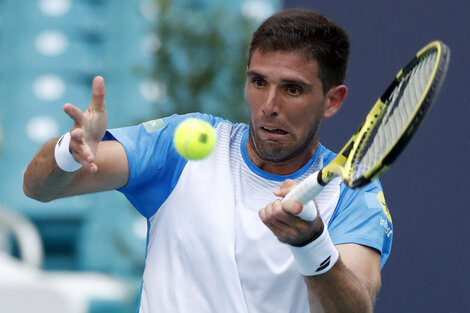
pixel 43 180
pixel 339 290
pixel 339 278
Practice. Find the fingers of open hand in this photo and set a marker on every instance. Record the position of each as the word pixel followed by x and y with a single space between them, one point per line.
pixel 98 92
pixel 287 227
pixel 81 150
pixel 75 113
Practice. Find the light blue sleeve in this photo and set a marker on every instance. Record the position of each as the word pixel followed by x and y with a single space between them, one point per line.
pixel 154 164
pixel 362 217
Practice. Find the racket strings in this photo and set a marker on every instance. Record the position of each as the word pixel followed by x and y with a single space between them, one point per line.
pixel 400 108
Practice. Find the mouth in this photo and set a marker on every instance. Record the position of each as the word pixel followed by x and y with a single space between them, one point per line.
pixel 274 131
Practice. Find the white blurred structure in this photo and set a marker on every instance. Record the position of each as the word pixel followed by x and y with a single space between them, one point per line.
pixel 25 288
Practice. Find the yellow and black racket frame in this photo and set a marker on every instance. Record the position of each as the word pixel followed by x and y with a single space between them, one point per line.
pixel 347 158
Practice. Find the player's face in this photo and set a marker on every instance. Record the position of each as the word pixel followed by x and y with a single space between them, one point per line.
pixel 287 104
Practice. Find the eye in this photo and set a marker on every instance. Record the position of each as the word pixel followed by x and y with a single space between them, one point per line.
pixel 258 82
pixel 294 90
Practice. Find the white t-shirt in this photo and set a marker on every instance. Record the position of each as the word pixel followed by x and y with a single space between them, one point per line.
pixel 207 249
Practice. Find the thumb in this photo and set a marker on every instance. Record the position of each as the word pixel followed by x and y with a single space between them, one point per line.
pixel 98 92
pixel 286 186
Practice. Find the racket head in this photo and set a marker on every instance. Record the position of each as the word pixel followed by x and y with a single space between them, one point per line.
pixel 396 116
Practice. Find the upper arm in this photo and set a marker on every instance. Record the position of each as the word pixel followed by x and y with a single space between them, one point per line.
pixel 362 218
pixel 113 171
pixel 364 263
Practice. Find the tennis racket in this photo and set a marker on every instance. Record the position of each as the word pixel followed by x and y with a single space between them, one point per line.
pixel 387 129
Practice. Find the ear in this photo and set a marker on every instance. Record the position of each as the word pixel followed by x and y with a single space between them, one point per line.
pixel 335 98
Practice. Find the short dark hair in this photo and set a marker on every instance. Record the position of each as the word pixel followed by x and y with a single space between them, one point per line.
pixel 310 33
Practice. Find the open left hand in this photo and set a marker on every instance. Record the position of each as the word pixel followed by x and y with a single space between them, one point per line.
pixel 89 126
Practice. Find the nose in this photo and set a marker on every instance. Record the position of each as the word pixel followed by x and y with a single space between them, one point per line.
pixel 270 106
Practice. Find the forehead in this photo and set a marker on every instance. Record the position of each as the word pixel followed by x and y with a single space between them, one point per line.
pixel 284 65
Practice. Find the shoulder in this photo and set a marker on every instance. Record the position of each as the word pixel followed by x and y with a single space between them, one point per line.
pixel 362 217
pixel 325 154
pixel 369 196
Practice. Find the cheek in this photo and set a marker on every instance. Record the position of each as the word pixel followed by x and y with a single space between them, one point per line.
pixel 307 119
pixel 316 110
pixel 251 98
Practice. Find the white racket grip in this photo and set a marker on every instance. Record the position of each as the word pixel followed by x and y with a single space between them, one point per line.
pixel 304 192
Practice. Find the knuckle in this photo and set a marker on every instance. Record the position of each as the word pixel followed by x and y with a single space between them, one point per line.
pixel 282 238
pixel 270 211
pixel 262 214
pixel 266 214
pixel 270 219
pixel 293 234
pixel 278 212
pixel 303 227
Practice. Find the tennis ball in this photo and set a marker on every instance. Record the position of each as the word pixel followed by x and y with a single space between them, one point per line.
pixel 194 139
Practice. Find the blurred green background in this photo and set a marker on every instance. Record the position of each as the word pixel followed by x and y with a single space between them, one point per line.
pixel 158 57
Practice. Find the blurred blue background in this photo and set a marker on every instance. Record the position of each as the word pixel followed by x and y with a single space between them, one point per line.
pixel 51 49
pixel 426 188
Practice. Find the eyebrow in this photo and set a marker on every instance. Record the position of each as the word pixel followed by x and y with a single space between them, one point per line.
pixel 251 74
pixel 286 81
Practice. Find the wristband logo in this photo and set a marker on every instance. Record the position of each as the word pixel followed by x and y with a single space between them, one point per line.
pixel 60 140
pixel 324 264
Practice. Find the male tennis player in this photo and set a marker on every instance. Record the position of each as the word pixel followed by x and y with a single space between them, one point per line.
pixel 210 247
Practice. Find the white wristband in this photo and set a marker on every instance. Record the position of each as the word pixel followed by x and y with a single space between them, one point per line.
pixel 317 257
pixel 63 157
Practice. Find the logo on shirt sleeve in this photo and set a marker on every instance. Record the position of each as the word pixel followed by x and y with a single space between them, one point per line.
pixel 381 198
pixel 154 125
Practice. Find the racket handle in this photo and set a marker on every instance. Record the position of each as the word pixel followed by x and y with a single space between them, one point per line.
pixel 304 192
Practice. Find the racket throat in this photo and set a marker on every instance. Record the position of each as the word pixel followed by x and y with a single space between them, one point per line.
pixel 327 174
pixel 320 179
